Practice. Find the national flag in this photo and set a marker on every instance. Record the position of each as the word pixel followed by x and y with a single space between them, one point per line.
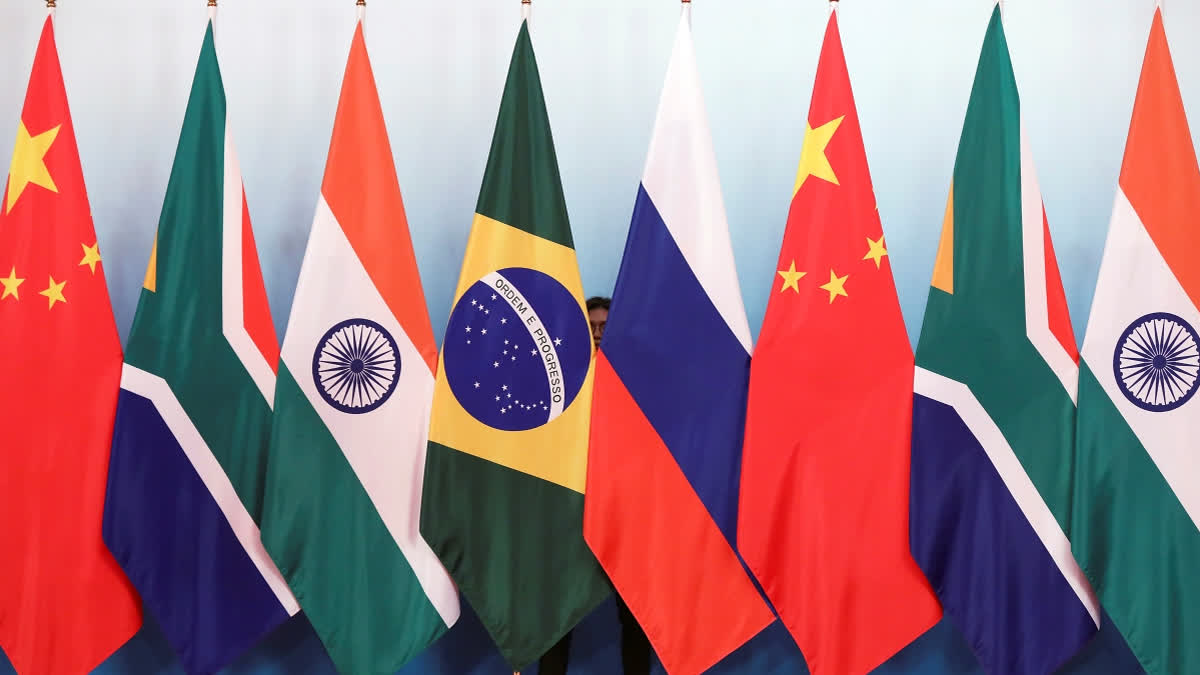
pixel 669 414
pixel 823 517
pixel 185 479
pixel 64 603
pixel 343 483
pixel 1136 519
pixel 994 409
pixel 508 443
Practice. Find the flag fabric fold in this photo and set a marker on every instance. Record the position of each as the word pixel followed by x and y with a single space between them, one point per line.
pixel 194 416
pixel 1136 515
pixel 669 410
pixel 343 481
pixel 994 411
pixel 823 517
pixel 508 442
pixel 65 605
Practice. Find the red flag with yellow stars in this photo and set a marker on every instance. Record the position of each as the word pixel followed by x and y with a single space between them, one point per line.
pixel 823 516
pixel 65 605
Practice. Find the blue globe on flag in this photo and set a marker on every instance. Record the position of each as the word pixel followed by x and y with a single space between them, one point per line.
pixel 517 349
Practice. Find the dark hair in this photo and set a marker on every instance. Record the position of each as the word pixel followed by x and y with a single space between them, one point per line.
pixel 598 302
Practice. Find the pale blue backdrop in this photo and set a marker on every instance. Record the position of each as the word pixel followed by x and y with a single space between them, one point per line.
pixel 440 65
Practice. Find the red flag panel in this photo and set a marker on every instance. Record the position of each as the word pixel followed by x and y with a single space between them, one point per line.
pixel 65 605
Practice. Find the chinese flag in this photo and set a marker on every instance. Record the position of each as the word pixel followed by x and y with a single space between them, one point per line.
pixel 64 603
pixel 823 515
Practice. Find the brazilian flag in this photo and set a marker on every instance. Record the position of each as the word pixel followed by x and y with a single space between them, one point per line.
pixel 504 477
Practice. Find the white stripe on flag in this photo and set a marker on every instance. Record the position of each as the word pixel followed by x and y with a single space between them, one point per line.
pixel 958 396
pixel 1033 246
pixel 233 320
pixel 211 474
pixel 682 180
pixel 537 334
pixel 1135 281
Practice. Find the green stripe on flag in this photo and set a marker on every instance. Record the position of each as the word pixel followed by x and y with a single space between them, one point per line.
pixel 374 579
pixel 977 335
pixel 176 331
pixel 1150 589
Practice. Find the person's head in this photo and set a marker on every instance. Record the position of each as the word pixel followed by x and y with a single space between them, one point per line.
pixel 597 308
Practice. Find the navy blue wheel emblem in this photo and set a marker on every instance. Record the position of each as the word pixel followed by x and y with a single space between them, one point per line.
pixel 1157 362
pixel 356 366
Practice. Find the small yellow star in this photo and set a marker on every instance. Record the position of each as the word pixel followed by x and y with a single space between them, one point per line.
pixel 877 251
pixel 91 256
pixel 29 163
pixel 54 292
pixel 836 286
pixel 790 277
pixel 813 161
pixel 10 285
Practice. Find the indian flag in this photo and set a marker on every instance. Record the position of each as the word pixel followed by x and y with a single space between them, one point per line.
pixel 343 484
pixel 1136 516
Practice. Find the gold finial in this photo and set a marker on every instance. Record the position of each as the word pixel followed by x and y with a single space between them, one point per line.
pixel 212 3
pixel 361 3
pixel 686 2
pixel 50 4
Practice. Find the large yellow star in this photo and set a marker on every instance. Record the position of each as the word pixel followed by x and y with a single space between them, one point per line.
pixel 877 251
pixel 790 277
pixel 91 255
pixel 813 161
pixel 29 163
pixel 10 285
pixel 54 292
pixel 836 286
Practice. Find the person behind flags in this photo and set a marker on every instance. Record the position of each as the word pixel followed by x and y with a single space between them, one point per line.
pixel 1136 516
pixel 194 416
pixel 343 480
pixel 635 648
pixel 667 420
pixel 508 441
pixel 597 308
pixel 993 411
pixel 823 517
pixel 65 605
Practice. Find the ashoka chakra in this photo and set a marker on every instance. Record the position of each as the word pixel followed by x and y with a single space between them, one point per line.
pixel 1157 362
pixel 356 366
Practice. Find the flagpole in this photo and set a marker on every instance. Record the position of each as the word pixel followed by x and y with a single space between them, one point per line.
pixel 526 9
pixel 833 6
pixel 50 5
pixel 212 10
pixel 687 11
pixel 361 9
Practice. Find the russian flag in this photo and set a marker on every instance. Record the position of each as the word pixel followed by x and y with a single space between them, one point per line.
pixel 670 400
